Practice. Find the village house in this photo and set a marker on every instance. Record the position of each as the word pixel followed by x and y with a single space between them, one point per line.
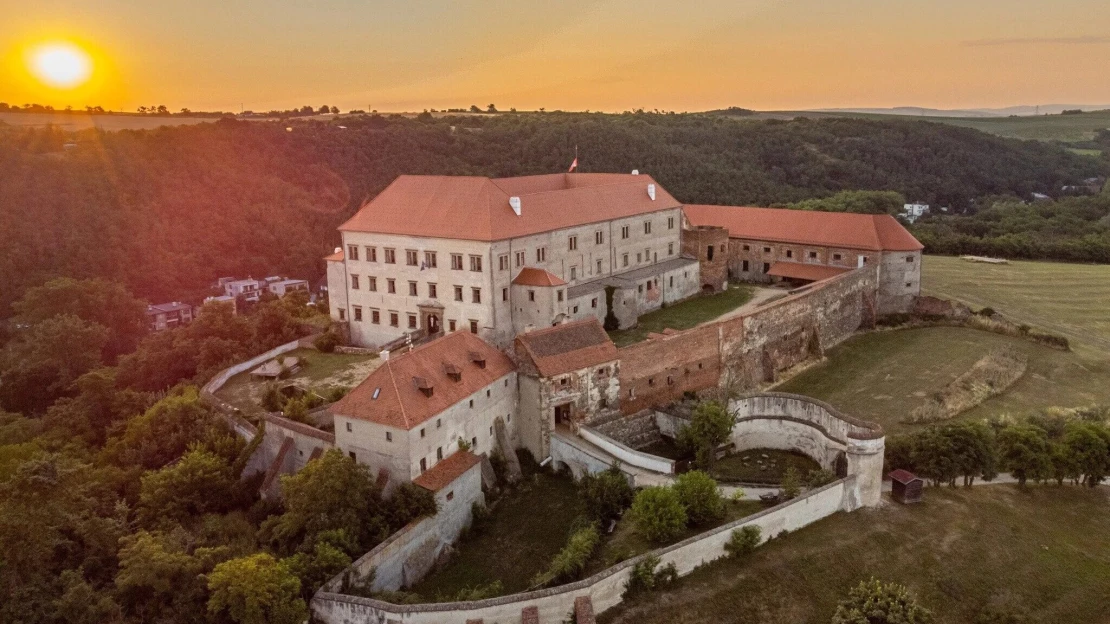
pixel 803 246
pixel 417 409
pixel 497 257
pixel 164 316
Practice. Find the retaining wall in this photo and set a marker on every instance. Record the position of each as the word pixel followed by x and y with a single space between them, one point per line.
pixel 625 454
pixel 604 588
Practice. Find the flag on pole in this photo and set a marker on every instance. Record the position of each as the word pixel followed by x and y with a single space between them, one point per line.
pixel 573 165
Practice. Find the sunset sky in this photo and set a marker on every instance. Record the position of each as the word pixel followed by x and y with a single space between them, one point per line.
pixel 613 55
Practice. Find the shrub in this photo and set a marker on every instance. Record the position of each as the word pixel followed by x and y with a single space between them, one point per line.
pixel 658 514
pixel 875 602
pixel 645 578
pixel 986 312
pixel 791 483
pixel 296 409
pixel 709 428
pixel 701 499
pixel 336 393
pixel 606 494
pixel 572 559
pixel 327 342
pixel 743 541
pixel 818 478
pixel 272 399
pixel 478 592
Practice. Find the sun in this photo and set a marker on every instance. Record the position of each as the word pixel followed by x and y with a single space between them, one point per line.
pixel 60 65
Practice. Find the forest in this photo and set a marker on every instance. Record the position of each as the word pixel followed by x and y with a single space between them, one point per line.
pixel 164 212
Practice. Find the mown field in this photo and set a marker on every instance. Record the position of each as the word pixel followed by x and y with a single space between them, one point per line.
pixel 1068 299
pixel 1042 555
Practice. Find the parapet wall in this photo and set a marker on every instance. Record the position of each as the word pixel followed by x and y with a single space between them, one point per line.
pixel 746 351
pixel 605 589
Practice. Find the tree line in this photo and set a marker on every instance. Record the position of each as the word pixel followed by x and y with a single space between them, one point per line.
pixel 166 211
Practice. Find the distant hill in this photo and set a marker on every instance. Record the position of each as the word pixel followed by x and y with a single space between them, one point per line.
pixel 917 111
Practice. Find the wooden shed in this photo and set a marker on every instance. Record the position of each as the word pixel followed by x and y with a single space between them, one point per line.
pixel 906 487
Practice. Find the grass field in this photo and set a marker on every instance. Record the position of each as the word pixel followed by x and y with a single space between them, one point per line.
pixel 525 532
pixel 762 466
pixel 1068 299
pixel 321 372
pixel 882 376
pixel 684 315
pixel 1043 554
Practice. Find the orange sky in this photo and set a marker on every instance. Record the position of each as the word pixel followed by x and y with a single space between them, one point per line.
pixel 611 55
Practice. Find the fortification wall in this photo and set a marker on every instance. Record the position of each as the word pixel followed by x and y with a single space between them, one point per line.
pixel 605 588
pixel 745 351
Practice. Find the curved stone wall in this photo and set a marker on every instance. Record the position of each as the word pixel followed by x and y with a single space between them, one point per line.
pixel 794 422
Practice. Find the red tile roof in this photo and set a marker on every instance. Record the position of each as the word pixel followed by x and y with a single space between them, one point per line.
pixel 902 476
pixel 447 470
pixel 808 227
pixel 567 347
pixel 811 272
pixel 477 208
pixel 537 277
pixel 335 257
pixel 399 403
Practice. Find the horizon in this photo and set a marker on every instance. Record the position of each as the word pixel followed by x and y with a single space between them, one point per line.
pixel 759 54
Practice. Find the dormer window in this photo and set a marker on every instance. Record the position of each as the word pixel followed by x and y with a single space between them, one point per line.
pixel 424 386
pixel 478 359
pixel 452 371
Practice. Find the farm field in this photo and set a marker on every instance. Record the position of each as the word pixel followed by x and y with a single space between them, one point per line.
pixel 320 372
pixel 882 376
pixel 1042 554
pixel 80 121
pixel 1067 299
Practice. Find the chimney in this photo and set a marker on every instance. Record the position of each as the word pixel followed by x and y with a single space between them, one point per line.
pixel 515 203
pixel 651 191
pixel 338 249
pixel 635 172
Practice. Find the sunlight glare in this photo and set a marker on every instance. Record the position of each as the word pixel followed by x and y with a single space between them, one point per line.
pixel 60 65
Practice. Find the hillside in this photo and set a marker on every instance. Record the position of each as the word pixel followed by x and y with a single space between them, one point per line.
pixel 166 211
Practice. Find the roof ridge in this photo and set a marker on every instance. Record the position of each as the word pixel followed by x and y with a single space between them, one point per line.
pixel 397 392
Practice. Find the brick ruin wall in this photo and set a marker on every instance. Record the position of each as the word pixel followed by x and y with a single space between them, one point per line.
pixel 745 352
pixel 696 243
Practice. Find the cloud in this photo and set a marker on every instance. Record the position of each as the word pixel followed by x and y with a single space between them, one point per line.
pixel 1025 41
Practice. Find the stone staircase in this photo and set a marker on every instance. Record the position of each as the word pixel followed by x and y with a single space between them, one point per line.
pixel 635 431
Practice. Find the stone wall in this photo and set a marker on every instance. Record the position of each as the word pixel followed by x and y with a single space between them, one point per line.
pixel 604 589
pixel 709 245
pixel 745 352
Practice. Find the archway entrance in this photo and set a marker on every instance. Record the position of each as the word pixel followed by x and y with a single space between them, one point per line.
pixel 433 324
pixel 431 318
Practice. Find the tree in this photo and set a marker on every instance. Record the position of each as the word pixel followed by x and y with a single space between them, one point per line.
pixel 709 427
pixel 158 575
pixel 324 110
pixel 934 456
pixel 474 108
pixel 490 108
pixel 165 431
pixel 334 110
pixel 331 493
pixel 658 514
pixel 974 446
pixel 199 483
pixel 45 360
pixel 791 483
pixel 318 567
pixel 1088 444
pixel 256 590
pixel 1024 451
pixel 875 602
pixel 98 301
pixel 606 494
pixel 700 497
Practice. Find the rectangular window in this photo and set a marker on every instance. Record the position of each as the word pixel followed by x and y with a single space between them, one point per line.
pixel 520 258
pixel 390 256
pixel 709 253
pixel 670 249
pixel 456 262
pixel 670 223
pixel 375 316
pixel 476 295
pixel 531 295
pixel 458 293
pixel 599 237
pixel 348 426
pixel 744 267
pixel 599 267
pixel 560 295
pixel 354 282
pixel 624 260
pixel 388 436
pixel 639 257
pixel 593 302
pixel 412 321
pixel 342 314
pixel 766 267
pixel 372 283
pixel 439 453
pixel 572 243
pixel 473 326
pixel 412 289
pixel 422 432
pixel 766 250
pixel 411 257
pixel 391 285
pixel 573 273
pixel 451 325
pixel 647 255
pixel 504 294
pixel 837 256
pixel 647 227
pixel 670 281
pixel 909 258
pixel 439 423
pixel 624 232
pixel 358 313
pixel 541 254
pixel 476 264
pixel 352 252
pixel 423 464
pixel 813 255
pixel 393 320
pixel 430 259
pixel 371 254
pixel 503 262
pixel 432 294
pixel 747 247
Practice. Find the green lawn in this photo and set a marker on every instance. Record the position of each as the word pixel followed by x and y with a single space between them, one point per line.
pixel 882 376
pixel 527 529
pixel 762 466
pixel 1043 554
pixel 320 372
pixel 1067 299
pixel 684 315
